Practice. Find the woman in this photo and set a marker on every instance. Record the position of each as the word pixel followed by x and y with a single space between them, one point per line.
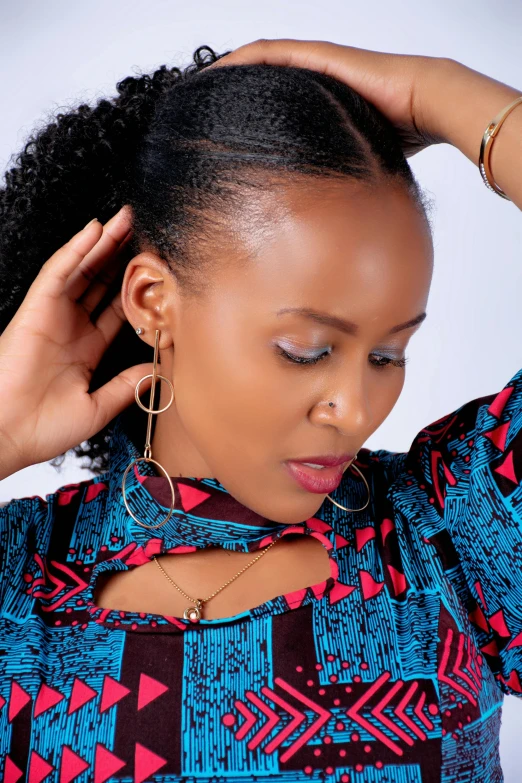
pixel 244 590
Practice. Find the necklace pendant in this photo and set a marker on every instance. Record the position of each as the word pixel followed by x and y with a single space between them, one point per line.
pixel 193 613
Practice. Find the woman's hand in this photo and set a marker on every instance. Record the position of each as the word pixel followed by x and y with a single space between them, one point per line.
pixel 394 83
pixel 49 351
pixel 429 100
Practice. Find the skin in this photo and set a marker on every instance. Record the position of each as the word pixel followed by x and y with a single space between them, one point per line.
pixel 362 253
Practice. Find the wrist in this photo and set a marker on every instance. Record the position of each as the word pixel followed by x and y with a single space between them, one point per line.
pixel 427 110
pixel 9 461
pixel 454 103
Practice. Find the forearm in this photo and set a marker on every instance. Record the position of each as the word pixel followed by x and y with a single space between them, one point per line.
pixel 458 103
pixel 7 469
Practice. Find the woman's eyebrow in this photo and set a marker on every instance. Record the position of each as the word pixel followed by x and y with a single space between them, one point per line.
pixel 340 323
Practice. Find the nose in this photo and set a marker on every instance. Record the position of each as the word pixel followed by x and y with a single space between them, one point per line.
pixel 351 412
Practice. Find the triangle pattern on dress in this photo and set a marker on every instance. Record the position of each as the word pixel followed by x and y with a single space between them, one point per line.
pixel 191 496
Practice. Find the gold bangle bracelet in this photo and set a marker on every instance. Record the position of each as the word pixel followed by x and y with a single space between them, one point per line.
pixel 487 142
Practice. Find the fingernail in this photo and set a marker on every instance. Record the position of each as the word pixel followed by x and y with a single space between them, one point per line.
pixel 89 223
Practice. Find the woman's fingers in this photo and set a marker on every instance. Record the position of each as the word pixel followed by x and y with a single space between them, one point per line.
pixel 93 270
pixel 388 81
pixel 376 75
pixel 52 277
pixel 323 56
pixel 110 321
pixel 105 276
pixel 276 51
pixel 117 394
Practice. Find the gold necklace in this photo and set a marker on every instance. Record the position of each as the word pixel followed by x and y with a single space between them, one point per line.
pixel 193 613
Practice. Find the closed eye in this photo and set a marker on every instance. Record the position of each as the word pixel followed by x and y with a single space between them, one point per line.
pixel 387 361
pixel 302 359
pixel 381 363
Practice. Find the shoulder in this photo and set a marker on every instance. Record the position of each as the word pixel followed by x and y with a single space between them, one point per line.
pixel 23 504
pixel 378 467
pixel 371 474
pixel 72 494
pixel 381 464
pixel 27 523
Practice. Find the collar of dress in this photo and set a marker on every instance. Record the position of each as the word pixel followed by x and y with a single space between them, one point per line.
pixel 204 514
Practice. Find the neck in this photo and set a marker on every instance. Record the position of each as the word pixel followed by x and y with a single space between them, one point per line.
pixel 172 448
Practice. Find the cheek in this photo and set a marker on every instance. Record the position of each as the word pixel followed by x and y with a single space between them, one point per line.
pixel 227 396
pixel 384 392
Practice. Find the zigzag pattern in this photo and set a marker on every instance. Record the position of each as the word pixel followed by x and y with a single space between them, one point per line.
pixel 320 716
pixel 375 718
pixel 463 675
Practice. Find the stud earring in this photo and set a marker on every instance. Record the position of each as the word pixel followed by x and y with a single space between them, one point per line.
pixel 139 330
pixel 148 448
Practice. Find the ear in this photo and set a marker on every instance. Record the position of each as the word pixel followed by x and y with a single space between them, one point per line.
pixel 149 292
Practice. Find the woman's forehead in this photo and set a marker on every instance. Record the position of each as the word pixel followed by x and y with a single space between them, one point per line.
pixel 370 254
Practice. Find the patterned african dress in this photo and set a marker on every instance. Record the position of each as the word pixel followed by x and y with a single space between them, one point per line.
pixel 392 670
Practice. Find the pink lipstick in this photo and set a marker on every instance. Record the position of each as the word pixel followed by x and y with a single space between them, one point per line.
pixel 319 480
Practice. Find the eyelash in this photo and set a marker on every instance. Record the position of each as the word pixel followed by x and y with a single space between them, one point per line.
pixel 300 360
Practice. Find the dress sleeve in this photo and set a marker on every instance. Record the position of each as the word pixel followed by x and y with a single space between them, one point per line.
pixel 469 465
pixel 23 522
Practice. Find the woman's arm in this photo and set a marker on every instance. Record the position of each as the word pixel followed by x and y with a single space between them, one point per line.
pixel 457 104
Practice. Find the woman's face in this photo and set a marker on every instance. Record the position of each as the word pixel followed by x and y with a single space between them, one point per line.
pixel 347 254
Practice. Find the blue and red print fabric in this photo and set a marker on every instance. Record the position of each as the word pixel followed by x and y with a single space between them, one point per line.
pixel 392 670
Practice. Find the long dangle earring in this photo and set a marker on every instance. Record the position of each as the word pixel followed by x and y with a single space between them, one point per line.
pixel 331 404
pixel 148 448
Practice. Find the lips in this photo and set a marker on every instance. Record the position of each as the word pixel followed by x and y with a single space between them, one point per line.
pixel 318 480
pixel 329 460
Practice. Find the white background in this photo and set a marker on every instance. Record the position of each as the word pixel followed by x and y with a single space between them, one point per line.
pixel 57 54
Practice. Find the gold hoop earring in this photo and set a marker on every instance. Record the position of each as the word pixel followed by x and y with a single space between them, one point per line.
pixel 148 448
pixel 367 487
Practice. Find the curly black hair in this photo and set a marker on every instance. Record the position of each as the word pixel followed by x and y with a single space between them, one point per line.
pixel 181 149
